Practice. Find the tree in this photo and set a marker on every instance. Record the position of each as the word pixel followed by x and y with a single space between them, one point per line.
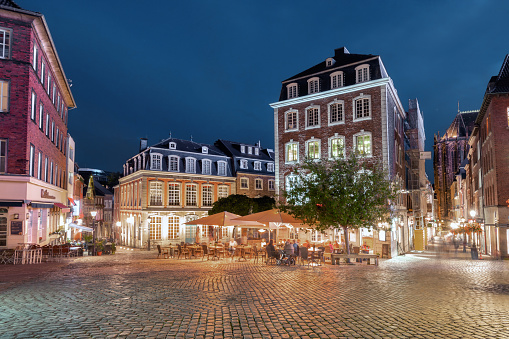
pixel 242 204
pixel 342 193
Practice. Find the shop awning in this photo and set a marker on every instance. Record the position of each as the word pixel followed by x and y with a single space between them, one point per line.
pixel 59 205
pixel 83 228
pixel 40 205
pixel 64 209
pixel 71 200
pixel 11 203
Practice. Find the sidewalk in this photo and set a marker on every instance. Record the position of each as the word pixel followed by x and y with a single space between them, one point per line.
pixel 448 252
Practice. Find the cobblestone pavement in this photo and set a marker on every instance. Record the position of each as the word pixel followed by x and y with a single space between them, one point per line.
pixel 131 294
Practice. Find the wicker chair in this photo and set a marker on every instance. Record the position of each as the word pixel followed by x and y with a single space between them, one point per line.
pixel 183 251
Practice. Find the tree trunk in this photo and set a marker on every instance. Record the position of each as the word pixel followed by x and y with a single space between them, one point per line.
pixel 347 240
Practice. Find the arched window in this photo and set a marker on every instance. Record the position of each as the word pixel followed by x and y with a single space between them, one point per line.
pixel 313 85
pixel 337 79
pixel 363 143
pixel 362 107
pixel 362 73
pixel 206 166
pixel 190 165
pixel 173 163
pixel 292 90
pixel 336 112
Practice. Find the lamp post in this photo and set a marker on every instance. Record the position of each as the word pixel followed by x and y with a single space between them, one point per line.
pixel 93 213
pixel 464 235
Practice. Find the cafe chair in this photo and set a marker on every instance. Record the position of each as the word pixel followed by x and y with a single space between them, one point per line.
pixel 260 254
pixel 304 255
pixel 271 256
pixel 327 254
pixel 204 252
pixel 183 251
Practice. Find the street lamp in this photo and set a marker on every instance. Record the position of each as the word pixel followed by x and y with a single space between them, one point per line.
pixel 93 213
pixel 473 213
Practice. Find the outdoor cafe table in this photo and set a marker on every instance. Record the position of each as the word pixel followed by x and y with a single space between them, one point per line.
pixel 242 251
pixel 214 250
pixel 171 249
pixel 193 248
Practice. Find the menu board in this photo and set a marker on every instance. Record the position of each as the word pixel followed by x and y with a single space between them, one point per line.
pixel 16 227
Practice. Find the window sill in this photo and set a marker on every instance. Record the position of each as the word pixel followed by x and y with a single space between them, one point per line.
pixel 362 119
pixel 337 123
pixel 292 130
pixel 312 127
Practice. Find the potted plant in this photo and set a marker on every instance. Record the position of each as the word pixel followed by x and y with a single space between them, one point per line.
pixel 99 247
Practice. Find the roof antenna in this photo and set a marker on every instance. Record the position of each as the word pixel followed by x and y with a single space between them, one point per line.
pixel 170 134
pixel 191 137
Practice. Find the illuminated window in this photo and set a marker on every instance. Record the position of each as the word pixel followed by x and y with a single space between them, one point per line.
pixel 362 143
pixel 174 194
pixel 507 116
pixel 292 152
pixel 337 147
pixel 222 191
pixel 292 90
pixel 4 95
pixel 313 85
pixel 291 120
pixel 155 228
pixel 336 80
pixel 362 73
pixel 336 113
pixel 5 43
pixel 156 193
pixel 313 149
pixel 206 195
pixel 173 227
pixel 191 195
pixel 312 117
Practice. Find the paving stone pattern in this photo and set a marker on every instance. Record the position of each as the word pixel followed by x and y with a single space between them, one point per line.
pixel 133 295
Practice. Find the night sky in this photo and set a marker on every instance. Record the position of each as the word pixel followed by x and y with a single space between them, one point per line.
pixel 210 69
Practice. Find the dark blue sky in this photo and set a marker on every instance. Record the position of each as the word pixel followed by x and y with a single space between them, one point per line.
pixel 210 69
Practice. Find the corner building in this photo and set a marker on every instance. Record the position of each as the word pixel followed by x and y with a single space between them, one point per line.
pixel 34 101
pixel 346 102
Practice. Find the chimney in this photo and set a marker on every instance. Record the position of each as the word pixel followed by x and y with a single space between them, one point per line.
pixel 143 144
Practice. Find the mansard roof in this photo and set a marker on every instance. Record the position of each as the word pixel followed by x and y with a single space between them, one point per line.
pixel 188 146
pixel 233 149
pixel 9 3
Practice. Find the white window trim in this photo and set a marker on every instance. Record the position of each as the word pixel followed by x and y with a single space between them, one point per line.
pixel 291 142
pixel 354 107
pixel 341 75
pixel 203 167
pixel 194 164
pixel 6 53
pixel 362 133
pixel 289 92
pixel 312 80
pixel 273 185
pixel 270 167
pixel 242 149
pixel 336 136
pixel 256 151
pixel 172 145
pixel 191 191
pixel 296 120
pixel 204 149
pixel 357 81
pixel 257 166
pixel 329 62
pixel 306 117
pixel 240 184
pixel 261 185
pixel 225 167
pixel 243 164
pixel 219 194
pixel 319 148
pixel 34 57
pixel 203 195
pixel 178 163
pixel 341 122
pixel 153 156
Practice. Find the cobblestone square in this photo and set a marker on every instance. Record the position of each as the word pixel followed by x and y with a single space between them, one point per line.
pixel 133 295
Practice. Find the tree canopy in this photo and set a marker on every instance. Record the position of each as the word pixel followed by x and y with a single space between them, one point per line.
pixel 242 205
pixel 342 193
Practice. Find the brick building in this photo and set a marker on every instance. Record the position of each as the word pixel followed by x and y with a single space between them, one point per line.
pixel 34 101
pixel 347 101
pixel 489 164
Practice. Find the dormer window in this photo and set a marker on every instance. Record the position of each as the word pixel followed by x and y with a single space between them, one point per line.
pixel 155 163
pixel 362 73
pixel 250 150
pixel 243 164
pixel 206 166
pixel 257 166
pixel 221 168
pixel 173 145
pixel 292 90
pixel 257 151
pixel 330 61
pixel 204 149
pixel 173 163
pixel 337 79
pixel 190 165
pixel 242 149
pixel 313 85
pixel 270 167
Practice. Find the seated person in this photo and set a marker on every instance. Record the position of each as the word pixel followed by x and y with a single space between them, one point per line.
pixel 271 250
pixel 288 248
pixel 263 243
pixel 231 246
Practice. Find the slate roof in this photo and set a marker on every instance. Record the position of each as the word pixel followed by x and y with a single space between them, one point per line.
pixel 462 125
pixel 497 84
pixel 9 3
pixel 188 146
pixel 233 148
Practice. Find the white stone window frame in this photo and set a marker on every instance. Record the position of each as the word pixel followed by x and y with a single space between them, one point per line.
pixel 270 167
pixel 204 149
pixel 272 185
pixel 314 140
pixel 363 133
pixel 249 150
pixel 354 107
pixel 336 136
pixel 243 164
pixel 207 195
pixel 206 166
pixel 242 149
pixel 190 165
pixel 156 161
pixel 221 190
pixel 191 194
pixel 173 158
pixel 313 85
pixel 362 73
pixel 291 142
pixel 242 180
pixel 5 43
pixel 308 109
pixel 172 145
pixel 155 193
pixel 260 182
pixel 330 62
pixel 296 127
pixel 337 79
pixel 292 90
pixel 219 170
pixel 256 151
pixel 257 166
pixel 329 111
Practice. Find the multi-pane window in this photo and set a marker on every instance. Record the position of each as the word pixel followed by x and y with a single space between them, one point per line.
pixel 292 152
pixel 363 144
pixel 32 160
pixel 336 113
pixel 250 150
pixel 39 166
pixel 257 166
pixel 313 117
pixel 291 120
pixel 53 131
pixel 5 43
pixel 51 173
pixel 43 68
pixel 3 155
pixel 47 124
pixel 222 191
pixel 243 163
pixel 155 227
pixel 156 193
pixel 258 184
pixel 135 195
pixel 242 149
pixel 362 108
pixel 272 185
pixel 313 151
pixel 54 93
pixel 173 227
pixel 206 166
pixel 313 85
pixel 4 95
pixel 336 80
pixel 362 73
pixel 41 115
pixel 337 147
pixel 173 194
pixel 270 167
pixel 46 169
pixel 191 195
pixel 292 91
pixel 173 163
pixel 34 106
pixel 257 151
pixel 156 162
pixel 244 183
pixel 206 195
pixel 221 168
pixel 34 60
pixel 49 83
pixel 190 165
